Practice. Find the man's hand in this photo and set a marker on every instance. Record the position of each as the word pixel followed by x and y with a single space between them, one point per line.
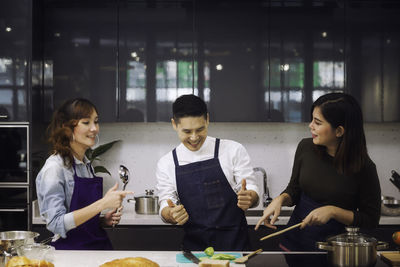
pixel 175 213
pixel 246 198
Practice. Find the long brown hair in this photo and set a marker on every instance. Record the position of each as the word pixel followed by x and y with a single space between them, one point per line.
pixel 63 122
pixel 341 109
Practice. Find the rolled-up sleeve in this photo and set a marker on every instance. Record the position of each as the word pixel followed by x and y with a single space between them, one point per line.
pixel 242 169
pixel 50 187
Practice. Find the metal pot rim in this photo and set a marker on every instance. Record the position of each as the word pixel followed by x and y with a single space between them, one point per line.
pixel 17 233
pixel 352 244
pixel 144 197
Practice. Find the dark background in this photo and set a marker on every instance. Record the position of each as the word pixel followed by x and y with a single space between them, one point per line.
pixel 259 60
pixel 252 61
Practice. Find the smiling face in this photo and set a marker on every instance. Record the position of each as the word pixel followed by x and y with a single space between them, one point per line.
pixel 322 132
pixel 192 131
pixel 85 133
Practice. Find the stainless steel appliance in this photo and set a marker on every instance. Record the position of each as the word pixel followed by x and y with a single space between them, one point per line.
pixel 15 209
pixel 14 155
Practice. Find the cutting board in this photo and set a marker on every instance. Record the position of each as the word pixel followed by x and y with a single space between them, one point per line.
pixel 182 259
pixel 392 258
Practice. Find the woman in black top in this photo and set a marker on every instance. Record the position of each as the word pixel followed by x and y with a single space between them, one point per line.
pixel 334 183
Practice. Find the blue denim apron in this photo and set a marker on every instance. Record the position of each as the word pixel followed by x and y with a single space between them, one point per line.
pixel 89 235
pixel 305 239
pixel 214 217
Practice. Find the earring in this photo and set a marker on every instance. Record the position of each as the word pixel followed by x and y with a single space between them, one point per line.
pixel 97 140
pixel 73 137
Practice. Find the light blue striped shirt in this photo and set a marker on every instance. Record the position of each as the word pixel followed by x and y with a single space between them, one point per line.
pixel 54 187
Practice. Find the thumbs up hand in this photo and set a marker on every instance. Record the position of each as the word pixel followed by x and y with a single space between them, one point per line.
pixel 177 213
pixel 244 197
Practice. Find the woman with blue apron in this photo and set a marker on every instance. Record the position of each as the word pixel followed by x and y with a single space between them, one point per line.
pixel 214 217
pixel 89 235
pixel 70 204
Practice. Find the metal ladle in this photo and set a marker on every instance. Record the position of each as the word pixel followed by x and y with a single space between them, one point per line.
pixel 124 176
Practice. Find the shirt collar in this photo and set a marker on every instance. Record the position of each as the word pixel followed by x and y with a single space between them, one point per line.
pixel 85 161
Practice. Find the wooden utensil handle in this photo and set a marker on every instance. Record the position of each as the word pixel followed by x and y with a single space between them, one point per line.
pixel 280 232
pixel 254 252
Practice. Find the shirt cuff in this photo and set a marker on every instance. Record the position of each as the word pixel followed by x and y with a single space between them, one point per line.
pixel 255 189
pixel 69 222
pixel 163 204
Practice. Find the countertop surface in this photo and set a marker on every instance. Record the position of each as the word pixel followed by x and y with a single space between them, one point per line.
pixel 130 217
pixel 85 258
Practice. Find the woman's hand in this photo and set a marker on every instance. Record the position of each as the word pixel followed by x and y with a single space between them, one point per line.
pixel 113 217
pixel 113 198
pixel 274 209
pixel 323 214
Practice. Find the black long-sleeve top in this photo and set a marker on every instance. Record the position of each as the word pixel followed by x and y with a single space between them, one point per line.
pixel 315 175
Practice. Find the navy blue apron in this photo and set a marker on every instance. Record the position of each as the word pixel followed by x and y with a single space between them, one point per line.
pixel 305 239
pixel 89 235
pixel 214 217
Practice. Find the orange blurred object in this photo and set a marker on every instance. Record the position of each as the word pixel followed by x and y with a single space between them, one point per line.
pixel 396 237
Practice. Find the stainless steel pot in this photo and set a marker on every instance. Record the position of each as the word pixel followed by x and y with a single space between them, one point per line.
pixel 146 204
pixel 10 241
pixel 352 249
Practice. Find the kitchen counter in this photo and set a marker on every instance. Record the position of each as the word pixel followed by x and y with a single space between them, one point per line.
pixel 64 258
pixel 130 217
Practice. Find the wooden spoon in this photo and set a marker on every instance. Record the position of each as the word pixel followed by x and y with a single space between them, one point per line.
pixel 245 258
pixel 280 232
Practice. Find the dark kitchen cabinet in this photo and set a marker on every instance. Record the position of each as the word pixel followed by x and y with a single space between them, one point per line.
pixel 169 237
pixel 162 237
pixel 79 54
pixel 257 61
pixel 155 58
pixel 15 55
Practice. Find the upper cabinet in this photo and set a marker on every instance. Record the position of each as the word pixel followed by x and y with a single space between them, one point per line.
pixel 255 61
pixel 15 58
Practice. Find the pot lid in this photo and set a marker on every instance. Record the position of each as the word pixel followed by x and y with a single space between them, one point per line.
pixel 149 194
pixel 352 237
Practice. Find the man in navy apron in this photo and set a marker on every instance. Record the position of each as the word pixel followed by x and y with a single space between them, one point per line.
pixel 208 183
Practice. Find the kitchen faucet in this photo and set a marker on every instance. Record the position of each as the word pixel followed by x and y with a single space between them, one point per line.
pixel 266 198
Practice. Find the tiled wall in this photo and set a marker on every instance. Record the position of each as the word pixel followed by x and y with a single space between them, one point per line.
pixel 270 145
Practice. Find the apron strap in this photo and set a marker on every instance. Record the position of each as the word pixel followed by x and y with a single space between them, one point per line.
pixel 73 166
pixel 91 169
pixel 175 157
pixel 216 150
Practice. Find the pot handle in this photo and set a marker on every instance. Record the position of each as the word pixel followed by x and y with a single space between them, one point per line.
pixel 324 246
pixel 382 245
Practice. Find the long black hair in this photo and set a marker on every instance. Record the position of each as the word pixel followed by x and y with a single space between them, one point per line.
pixel 64 120
pixel 341 109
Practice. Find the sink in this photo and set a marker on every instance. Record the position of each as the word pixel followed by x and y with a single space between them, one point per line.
pixel 284 212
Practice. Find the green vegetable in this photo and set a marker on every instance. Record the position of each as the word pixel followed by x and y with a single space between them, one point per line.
pixel 209 251
pixel 223 257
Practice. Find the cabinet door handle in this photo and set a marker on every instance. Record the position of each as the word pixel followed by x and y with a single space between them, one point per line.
pixel 3 116
pixel 12 210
